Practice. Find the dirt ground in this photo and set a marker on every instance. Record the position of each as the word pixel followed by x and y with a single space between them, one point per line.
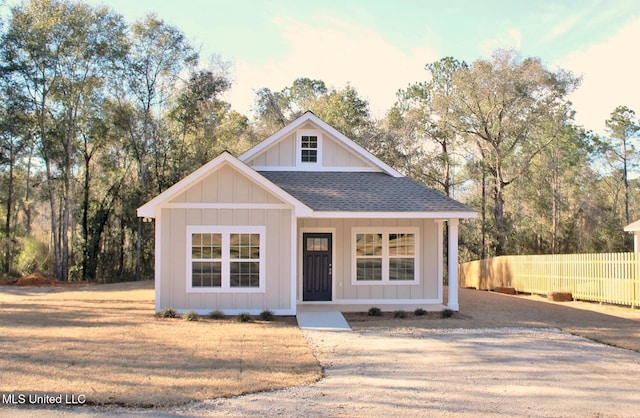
pixel 618 326
pixel 500 356
pixel 105 343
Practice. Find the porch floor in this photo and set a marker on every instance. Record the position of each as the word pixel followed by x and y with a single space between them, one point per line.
pixel 330 307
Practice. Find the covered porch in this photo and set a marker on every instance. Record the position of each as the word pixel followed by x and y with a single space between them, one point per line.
pixel 329 267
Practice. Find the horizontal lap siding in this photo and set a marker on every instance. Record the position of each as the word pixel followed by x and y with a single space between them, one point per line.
pixel 345 290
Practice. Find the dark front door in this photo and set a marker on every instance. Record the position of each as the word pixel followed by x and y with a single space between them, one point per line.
pixel 316 267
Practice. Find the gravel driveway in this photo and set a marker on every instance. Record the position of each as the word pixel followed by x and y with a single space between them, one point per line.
pixel 455 372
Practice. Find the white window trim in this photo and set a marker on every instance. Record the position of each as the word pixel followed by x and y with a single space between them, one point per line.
pixel 385 231
pixel 308 165
pixel 226 232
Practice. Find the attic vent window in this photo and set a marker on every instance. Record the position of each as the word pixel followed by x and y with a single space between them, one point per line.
pixel 309 149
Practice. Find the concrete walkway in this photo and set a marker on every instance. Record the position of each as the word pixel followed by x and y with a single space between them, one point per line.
pixel 322 321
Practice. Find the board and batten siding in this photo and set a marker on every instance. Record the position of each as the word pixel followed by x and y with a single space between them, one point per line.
pixel 429 286
pixel 336 155
pixel 283 153
pixel 225 185
pixel 228 186
pixel 280 154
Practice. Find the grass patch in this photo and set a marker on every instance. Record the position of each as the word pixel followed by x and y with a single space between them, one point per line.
pixel 106 341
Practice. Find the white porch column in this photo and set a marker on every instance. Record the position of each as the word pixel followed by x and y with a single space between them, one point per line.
pixel 452 271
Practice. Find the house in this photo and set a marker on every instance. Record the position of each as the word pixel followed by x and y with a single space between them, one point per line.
pixel 635 228
pixel 305 217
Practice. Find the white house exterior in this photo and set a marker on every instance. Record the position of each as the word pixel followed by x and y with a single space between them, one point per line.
pixel 306 217
pixel 634 227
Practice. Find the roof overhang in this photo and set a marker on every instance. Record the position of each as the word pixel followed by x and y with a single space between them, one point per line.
pixel 633 227
pixel 149 209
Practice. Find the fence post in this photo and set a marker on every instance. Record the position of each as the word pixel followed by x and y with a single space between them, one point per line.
pixel 636 280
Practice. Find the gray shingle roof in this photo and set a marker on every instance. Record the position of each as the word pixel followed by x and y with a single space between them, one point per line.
pixel 361 192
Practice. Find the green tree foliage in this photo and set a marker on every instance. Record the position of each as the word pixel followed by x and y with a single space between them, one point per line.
pixel 499 135
pixel 343 109
pixel 422 126
pixel 97 131
pixel 623 129
pixel 500 105
pixel 58 54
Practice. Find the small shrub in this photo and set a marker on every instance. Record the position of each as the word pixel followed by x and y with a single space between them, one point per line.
pixel 266 315
pixel 244 317
pixel 168 313
pixel 446 313
pixel 190 316
pixel 216 314
pixel 374 311
pixel 400 314
pixel 419 312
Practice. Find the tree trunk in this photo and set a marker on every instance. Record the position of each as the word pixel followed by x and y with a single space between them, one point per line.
pixel 27 196
pixel 7 225
pixel 85 220
pixel 498 213
pixel 54 221
pixel 483 226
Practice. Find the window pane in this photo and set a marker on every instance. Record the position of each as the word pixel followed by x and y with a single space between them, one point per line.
pixel 206 246
pixel 317 244
pixel 401 269
pixel 244 274
pixel 206 274
pixel 309 156
pixel 309 141
pixel 206 239
pixel 368 244
pixel 369 269
pixel 196 240
pixel 401 244
pixel 244 246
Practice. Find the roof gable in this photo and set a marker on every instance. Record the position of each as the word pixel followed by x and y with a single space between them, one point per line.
pixel 223 160
pixel 336 152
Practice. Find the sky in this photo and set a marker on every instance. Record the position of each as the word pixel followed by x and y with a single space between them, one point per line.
pixel 381 46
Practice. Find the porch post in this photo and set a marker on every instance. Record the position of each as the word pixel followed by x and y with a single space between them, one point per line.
pixel 452 258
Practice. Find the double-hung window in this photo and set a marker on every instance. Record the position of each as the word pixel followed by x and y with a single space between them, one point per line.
pixel 225 258
pixel 385 255
pixel 308 148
